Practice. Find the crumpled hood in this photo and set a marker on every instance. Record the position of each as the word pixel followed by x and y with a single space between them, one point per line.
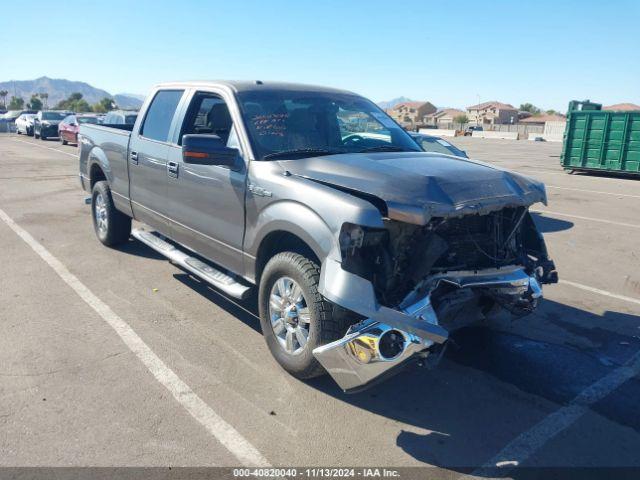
pixel 417 186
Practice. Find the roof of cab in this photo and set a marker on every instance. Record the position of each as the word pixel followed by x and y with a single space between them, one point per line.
pixel 248 86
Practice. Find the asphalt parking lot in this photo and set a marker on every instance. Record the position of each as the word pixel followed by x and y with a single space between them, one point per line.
pixel 558 388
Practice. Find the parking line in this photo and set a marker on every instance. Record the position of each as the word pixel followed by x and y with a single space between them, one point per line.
pixel 48 148
pixel 621 224
pixel 528 443
pixel 594 191
pixel 228 436
pixel 600 292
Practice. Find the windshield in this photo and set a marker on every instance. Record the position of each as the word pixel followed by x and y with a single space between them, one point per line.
pixel 87 120
pixel 294 124
pixel 53 115
pixel 438 145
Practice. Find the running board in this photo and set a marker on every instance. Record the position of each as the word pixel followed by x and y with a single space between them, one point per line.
pixel 199 268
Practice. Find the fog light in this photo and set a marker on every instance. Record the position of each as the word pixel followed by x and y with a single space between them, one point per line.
pixel 391 344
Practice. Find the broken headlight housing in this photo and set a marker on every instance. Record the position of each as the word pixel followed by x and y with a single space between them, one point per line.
pixel 362 249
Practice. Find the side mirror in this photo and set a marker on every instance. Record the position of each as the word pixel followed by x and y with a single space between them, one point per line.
pixel 202 149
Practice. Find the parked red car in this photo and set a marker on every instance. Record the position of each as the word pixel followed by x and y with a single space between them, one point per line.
pixel 69 127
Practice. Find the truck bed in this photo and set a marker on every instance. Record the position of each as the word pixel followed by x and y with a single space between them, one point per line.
pixel 107 146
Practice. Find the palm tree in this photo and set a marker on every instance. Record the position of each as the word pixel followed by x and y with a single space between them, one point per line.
pixel 44 96
pixel 3 95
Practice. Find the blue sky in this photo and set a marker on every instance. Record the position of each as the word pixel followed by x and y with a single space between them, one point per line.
pixel 450 53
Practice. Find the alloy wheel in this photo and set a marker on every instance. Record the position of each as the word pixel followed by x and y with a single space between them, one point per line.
pixel 289 315
pixel 100 214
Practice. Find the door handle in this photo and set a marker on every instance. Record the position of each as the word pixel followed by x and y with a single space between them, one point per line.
pixel 134 157
pixel 172 169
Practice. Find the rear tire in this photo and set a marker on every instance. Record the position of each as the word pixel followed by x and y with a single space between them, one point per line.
pixel 111 225
pixel 319 321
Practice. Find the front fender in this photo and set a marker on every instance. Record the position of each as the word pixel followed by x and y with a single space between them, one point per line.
pixel 311 211
pixel 294 218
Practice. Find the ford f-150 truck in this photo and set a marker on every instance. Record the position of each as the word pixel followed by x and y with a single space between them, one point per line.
pixel 365 252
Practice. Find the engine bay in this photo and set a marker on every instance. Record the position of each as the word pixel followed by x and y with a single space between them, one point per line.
pixel 405 261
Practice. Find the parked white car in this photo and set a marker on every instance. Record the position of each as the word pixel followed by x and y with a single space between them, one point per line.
pixel 24 124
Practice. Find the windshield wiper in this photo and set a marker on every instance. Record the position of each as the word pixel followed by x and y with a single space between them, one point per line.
pixel 301 152
pixel 386 148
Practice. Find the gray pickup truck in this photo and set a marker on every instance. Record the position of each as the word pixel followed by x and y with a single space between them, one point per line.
pixel 365 252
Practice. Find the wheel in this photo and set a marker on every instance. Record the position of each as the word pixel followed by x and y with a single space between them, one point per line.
pixel 17 131
pixel 294 317
pixel 42 137
pixel 62 140
pixel 112 226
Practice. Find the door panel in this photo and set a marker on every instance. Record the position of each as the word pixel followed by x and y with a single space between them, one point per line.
pixel 148 150
pixel 206 202
pixel 148 180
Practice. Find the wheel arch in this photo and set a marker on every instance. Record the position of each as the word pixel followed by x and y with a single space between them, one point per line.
pixel 279 241
pixel 98 167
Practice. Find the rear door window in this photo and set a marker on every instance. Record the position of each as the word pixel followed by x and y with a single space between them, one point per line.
pixel 157 121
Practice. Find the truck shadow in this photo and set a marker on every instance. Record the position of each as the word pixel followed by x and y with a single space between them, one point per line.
pixel 490 387
pixel 244 310
pixel 465 412
pixel 139 249
pixel 548 224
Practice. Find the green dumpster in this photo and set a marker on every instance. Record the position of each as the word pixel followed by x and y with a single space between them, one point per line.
pixel 601 140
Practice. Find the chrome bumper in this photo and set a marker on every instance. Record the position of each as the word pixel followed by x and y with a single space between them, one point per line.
pixel 371 351
pixel 389 339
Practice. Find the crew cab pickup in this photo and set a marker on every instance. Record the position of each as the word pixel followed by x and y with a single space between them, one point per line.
pixel 365 251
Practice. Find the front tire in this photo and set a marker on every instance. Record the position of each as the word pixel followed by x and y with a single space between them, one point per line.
pixel 294 317
pixel 112 226
pixel 62 140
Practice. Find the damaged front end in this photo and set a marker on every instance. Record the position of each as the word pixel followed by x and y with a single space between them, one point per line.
pixel 414 284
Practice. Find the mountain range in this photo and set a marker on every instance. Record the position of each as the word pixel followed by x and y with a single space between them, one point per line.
pixel 60 89
pixel 393 102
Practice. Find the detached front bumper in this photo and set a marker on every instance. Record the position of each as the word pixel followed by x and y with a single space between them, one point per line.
pixel 389 339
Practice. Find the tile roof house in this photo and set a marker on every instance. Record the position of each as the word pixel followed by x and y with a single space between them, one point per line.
pixel 622 107
pixel 443 117
pixel 492 113
pixel 411 114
